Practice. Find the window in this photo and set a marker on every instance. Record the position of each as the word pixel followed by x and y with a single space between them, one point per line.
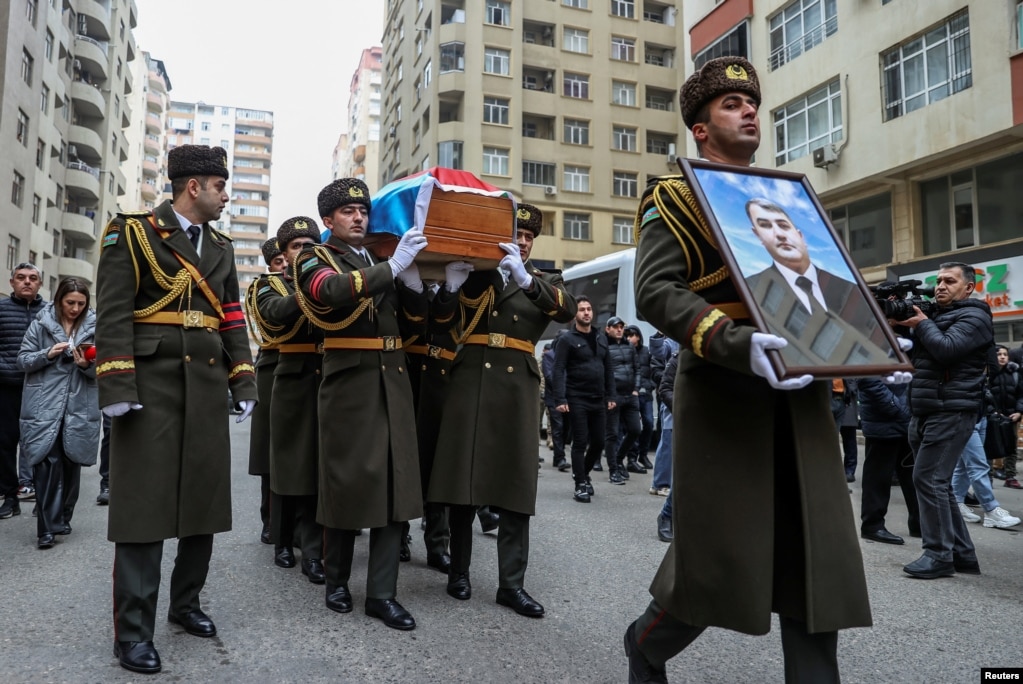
pixel 735 43
pixel 31 7
pixel 927 68
pixel 624 138
pixel 119 65
pixel 866 229
pixel 578 4
pixel 577 132
pixel 18 189
pixel 621 230
pixel 21 133
pixel 623 49
pixel 659 144
pixel 576 178
pixel 37 203
pixel 428 73
pixel 658 56
pixel 624 184
pixel 13 250
pixel 663 100
pixel 27 64
pixel 808 123
pixel 44 99
pixel 623 93
pixel 204 126
pixel 495 110
pixel 1019 25
pixel 452 57
pixel 801 25
pixel 538 173
pixel 499 12
pixel 577 40
pixel 48 46
pixel 495 161
pixel 497 61
pixel 40 154
pixel 576 226
pixel 577 85
pixel 623 8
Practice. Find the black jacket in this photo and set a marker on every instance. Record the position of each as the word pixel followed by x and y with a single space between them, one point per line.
pixel 884 413
pixel 949 354
pixel 666 389
pixel 15 316
pixel 647 384
pixel 624 365
pixel 1005 385
pixel 582 368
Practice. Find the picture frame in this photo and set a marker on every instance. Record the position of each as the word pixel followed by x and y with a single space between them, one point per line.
pixel 793 272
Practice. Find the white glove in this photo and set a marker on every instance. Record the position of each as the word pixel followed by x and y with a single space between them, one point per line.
pixel 455 274
pixel 410 276
pixel 514 266
pixel 120 408
pixel 246 405
pixel 898 377
pixel 905 344
pixel 411 244
pixel 761 365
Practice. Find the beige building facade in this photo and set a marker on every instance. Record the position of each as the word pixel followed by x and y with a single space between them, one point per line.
pixel 146 167
pixel 357 154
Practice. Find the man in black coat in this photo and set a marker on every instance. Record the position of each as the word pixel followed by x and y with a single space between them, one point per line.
pixel 638 461
pixel 949 355
pixel 624 417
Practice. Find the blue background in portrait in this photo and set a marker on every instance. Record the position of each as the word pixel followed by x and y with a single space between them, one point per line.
pixel 728 193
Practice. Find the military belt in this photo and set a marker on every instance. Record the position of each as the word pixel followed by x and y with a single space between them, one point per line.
pixel 186 319
pixel 501 341
pixel 431 350
pixel 309 348
pixel 365 343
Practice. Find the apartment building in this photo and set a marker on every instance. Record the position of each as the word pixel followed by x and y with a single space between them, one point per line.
pixel 247 136
pixel 570 104
pixel 357 153
pixel 146 166
pixel 65 82
pixel 906 117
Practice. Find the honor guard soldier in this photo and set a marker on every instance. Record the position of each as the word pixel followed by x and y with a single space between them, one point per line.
pixel 785 541
pixel 171 342
pixel 487 450
pixel 369 468
pixel 294 447
pixel 266 361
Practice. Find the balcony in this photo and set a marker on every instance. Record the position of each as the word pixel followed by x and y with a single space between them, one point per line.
pixel 125 114
pixel 88 99
pixel 360 154
pixel 154 102
pixel 153 123
pixel 260 154
pixel 82 183
pixel 86 142
pixel 259 140
pixel 151 145
pixel 156 82
pixel 79 226
pixel 92 55
pixel 96 18
pixel 131 48
pixel 77 268
pixel 150 169
pixel 149 192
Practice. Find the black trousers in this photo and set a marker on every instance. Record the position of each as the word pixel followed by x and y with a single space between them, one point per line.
pixel 556 427
pixel 384 550
pixel 512 543
pixel 293 521
pixel 57 480
pixel 137 583
pixel 850 451
pixel 104 454
pixel 809 658
pixel 589 421
pixel 881 458
pixel 10 433
pixel 625 418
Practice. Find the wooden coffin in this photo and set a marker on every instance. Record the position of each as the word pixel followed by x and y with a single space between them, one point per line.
pixel 460 226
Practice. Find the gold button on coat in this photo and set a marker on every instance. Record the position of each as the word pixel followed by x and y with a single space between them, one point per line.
pixel 213 362
pixel 510 369
pixel 487 364
pixel 188 358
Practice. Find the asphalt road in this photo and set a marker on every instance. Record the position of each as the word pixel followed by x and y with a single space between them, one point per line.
pixel 590 566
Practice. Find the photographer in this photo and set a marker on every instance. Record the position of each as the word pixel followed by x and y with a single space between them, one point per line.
pixel 945 396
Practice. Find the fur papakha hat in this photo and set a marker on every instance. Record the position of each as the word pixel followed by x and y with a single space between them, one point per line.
pixel 341 192
pixel 297 226
pixel 717 77
pixel 270 250
pixel 197 160
pixel 528 217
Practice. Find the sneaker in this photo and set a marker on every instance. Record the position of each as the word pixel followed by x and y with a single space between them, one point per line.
pixel 103 499
pixel 1000 518
pixel 581 495
pixel 664 491
pixel 616 478
pixel 1013 483
pixel 28 493
pixel 968 514
pixel 598 467
pixel 653 491
pixel 589 486
pixel 10 507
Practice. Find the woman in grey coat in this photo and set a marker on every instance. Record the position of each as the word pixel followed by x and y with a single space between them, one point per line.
pixel 60 418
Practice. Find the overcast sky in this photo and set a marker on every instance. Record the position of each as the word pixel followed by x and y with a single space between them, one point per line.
pixel 295 59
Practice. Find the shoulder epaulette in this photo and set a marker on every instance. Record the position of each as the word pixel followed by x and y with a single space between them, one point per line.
pixel 222 234
pixel 548 271
pixel 134 214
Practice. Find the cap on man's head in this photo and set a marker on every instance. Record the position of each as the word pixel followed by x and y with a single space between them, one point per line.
pixel 614 321
pixel 717 77
pixel 297 226
pixel 341 192
pixel 270 250
pixel 197 160
pixel 632 330
pixel 528 217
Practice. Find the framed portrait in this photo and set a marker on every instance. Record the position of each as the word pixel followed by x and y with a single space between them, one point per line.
pixel 793 273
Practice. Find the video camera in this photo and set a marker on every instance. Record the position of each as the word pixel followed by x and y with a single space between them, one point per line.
pixel 897 299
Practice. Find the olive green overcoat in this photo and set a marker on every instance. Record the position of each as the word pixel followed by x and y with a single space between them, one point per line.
pixel 266 361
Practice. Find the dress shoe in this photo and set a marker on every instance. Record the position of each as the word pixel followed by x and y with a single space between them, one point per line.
pixel 850 477
pixel 926 567
pixel 46 541
pixel 597 467
pixel 459 586
pixel 313 569
pixel 103 498
pixel 440 562
pixel 489 522
pixel 623 473
pixel 339 599
pixel 1013 483
pixel 966 567
pixel 640 670
pixel 405 554
pixel 645 462
pixel 564 466
pixel 195 622
pixel 66 530
pixel 284 557
pixel 664 530
pixel 519 601
pixel 390 613
pixel 137 656
pixel 883 536
pixel 635 467
pixel 264 535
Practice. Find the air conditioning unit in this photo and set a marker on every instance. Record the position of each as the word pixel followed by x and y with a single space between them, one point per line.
pixel 671 154
pixel 73 151
pixel 550 190
pixel 825 156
